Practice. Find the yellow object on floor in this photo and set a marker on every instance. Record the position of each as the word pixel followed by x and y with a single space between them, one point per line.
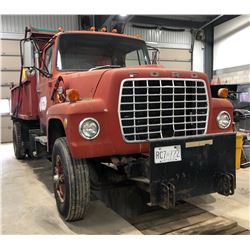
pixel 239 142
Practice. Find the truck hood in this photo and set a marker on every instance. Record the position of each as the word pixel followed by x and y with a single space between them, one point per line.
pixel 113 77
pixel 85 82
pixel 91 83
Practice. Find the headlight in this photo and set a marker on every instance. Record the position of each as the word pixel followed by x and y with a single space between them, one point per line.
pixel 89 128
pixel 223 120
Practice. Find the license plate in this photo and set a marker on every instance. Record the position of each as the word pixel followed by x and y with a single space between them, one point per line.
pixel 167 154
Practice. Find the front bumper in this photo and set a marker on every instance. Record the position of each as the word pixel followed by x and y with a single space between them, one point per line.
pixel 207 166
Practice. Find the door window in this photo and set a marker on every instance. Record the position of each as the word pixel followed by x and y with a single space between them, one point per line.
pixel 49 59
pixel 135 57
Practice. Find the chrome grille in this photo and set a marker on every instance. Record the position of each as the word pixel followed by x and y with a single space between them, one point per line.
pixel 162 108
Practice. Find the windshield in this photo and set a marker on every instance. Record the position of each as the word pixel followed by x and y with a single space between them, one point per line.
pixel 87 51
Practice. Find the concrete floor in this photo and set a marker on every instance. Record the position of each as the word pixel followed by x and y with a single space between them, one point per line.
pixel 28 206
pixel 236 207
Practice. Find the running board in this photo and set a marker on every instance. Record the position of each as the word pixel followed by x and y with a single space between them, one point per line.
pixel 41 139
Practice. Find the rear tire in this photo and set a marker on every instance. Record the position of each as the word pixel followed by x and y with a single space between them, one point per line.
pixel 18 143
pixel 71 182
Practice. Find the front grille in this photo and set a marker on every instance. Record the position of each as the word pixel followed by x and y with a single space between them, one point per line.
pixel 162 108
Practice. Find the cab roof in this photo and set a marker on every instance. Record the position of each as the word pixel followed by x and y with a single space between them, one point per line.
pixel 47 35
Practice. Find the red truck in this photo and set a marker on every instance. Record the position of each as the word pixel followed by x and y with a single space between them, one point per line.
pixel 94 104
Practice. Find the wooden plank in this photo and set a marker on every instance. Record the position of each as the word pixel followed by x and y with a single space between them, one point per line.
pixel 235 230
pixel 178 224
pixel 210 226
pixel 160 213
pixel 247 232
pixel 148 217
pixel 169 218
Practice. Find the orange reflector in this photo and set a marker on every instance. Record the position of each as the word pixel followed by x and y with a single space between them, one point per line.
pixel 114 30
pixel 223 93
pixel 138 36
pixel 61 29
pixel 73 95
pixel 104 29
pixel 65 122
pixel 93 28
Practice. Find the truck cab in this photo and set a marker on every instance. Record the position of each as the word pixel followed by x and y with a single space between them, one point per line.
pixel 94 104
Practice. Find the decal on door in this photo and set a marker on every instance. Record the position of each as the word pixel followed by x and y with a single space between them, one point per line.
pixel 43 103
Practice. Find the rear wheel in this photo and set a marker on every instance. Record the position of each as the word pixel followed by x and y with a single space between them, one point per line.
pixel 71 182
pixel 18 143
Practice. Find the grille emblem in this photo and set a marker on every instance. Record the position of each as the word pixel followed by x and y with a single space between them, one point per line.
pixel 154 74
pixel 175 74
pixel 133 74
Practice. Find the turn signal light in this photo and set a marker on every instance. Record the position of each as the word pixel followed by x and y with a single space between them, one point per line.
pixel 223 93
pixel 24 74
pixel 73 95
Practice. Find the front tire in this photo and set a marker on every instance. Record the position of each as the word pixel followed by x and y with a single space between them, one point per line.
pixel 71 182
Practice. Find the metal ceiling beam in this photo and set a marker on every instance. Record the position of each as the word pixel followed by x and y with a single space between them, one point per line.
pixel 100 20
pixel 124 21
pixel 109 21
pixel 218 20
pixel 208 51
pixel 166 22
pixel 224 19
pixel 210 22
pixel 209 42
pixel 86 21
pixel 116 20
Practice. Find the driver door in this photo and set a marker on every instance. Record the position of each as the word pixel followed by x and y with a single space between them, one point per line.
pixel 46 85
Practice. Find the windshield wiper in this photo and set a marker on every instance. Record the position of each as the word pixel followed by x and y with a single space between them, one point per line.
pixel 105 67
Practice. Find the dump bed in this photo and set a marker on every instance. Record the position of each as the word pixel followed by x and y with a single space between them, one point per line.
pixel 24 97
pixel 24 100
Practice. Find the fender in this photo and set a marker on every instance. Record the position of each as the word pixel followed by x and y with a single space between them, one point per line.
pixel 84 106
pixel 70 114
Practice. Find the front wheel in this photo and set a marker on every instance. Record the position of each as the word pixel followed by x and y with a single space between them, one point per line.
pixel 71 182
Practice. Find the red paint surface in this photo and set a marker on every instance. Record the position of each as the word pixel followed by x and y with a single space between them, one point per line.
pixel 99 91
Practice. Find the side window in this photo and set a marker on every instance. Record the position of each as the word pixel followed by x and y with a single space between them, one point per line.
pixel 132 58
pixel 49 58
pixel 141 57
pixel 135 58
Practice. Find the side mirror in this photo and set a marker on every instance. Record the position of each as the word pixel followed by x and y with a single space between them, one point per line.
pixel 154 55
pixel 28 54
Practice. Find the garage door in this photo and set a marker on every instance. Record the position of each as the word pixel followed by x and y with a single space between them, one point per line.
pixel 10 66
pixel 175 58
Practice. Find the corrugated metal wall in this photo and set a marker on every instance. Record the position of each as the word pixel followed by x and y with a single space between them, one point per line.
pixel 163 38
pixel 17 23
pixel 174 46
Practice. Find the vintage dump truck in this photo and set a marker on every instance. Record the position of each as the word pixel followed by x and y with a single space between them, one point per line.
pixel 95 105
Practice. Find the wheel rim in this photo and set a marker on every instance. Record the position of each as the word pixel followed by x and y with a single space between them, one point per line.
pixel 59 179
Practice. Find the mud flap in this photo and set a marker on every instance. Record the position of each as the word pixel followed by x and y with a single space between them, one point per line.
pixel 188 167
